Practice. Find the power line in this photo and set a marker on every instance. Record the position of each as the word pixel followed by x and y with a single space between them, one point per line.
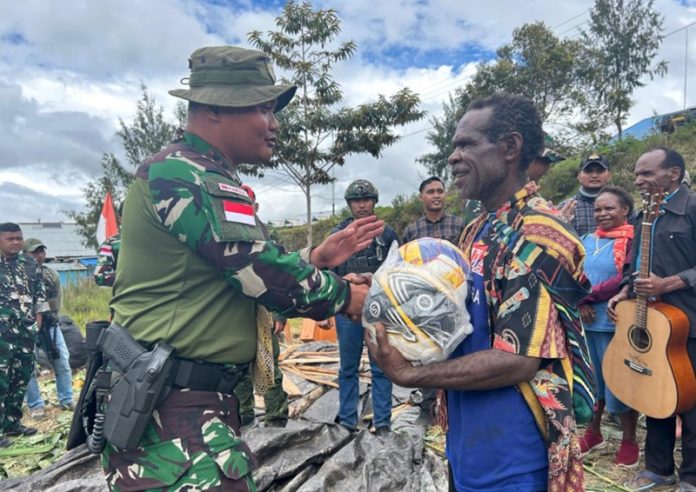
pixel 569 20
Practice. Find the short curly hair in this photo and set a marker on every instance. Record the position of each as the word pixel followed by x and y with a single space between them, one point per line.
pixel 513 113
pixel 624 198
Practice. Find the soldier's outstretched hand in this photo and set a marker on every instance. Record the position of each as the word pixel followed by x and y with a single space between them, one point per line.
pixel 341 245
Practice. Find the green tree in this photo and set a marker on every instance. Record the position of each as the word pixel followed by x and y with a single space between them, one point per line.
pixel 147 134
pixel 620 45
pixel 536 64
pixel 315 134
pixel 442 133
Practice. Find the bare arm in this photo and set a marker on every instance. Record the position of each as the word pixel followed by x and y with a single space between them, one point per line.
pixel 487 369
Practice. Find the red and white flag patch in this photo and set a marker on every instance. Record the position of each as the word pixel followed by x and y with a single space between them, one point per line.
pixel 239 212
pixel 106 250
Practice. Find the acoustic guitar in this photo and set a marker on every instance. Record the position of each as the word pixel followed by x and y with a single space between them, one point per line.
pixel 646 364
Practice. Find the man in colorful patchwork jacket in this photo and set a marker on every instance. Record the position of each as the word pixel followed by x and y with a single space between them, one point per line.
pixel 517 383
pixel 195 266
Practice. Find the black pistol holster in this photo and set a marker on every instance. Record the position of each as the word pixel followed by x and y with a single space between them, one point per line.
pixel 141 386
pixel 125 382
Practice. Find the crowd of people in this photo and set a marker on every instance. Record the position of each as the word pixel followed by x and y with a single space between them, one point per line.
pixel 545 281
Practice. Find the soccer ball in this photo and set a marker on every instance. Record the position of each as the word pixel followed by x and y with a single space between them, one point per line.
pixel 419 294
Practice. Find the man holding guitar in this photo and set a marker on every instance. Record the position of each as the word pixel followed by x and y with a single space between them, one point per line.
pixel 672 278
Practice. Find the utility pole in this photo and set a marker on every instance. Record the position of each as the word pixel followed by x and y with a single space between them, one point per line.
pixel 333 193
pixel 686 60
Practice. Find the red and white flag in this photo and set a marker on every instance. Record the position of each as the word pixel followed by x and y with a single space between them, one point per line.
pixel 107 225
pixel 239 212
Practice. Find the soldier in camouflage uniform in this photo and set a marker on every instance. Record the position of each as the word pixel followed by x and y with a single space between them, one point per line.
pixel 22 300
pixel 105 271
pixel 199 289
pixel 361 196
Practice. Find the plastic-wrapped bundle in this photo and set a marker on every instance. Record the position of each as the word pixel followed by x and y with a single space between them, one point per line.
pixel 419 295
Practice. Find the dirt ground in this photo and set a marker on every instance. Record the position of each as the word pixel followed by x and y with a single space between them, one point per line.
pixel 601 474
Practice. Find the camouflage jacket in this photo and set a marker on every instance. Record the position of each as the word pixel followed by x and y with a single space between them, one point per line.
pixel 22 291
pixel 105 272
pixel 194 262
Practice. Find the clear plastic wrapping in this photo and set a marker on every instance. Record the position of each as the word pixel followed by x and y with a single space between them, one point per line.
pixel 419 295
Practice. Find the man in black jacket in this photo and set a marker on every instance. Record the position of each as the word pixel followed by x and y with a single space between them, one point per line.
pixel 673 279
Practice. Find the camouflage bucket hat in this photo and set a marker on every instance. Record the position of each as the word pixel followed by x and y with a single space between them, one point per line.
pixel 232 77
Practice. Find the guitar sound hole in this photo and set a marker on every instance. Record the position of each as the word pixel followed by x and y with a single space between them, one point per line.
pixel 640 339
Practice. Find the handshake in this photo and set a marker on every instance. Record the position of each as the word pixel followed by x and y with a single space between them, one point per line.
pixel 359 286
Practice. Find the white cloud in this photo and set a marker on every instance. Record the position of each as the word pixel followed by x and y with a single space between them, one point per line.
pixel 69 70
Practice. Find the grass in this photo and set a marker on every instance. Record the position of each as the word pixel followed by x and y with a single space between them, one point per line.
pixel 86 302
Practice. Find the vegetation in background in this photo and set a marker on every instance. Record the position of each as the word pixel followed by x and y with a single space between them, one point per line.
pixel 86 302
pixel 619 48
pixel 580 87
pixel 315 133
pixel 147 134
pixel 561 182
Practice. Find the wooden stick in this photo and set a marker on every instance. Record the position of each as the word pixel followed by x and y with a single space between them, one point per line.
pixel 291 388
pixel 310 377
pixel 287 352
pixel 309 360
pixel 306 401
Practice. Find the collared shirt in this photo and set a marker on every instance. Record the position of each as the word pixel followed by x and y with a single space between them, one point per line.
pixel 536 319
pixel 448 227
pixel 584 220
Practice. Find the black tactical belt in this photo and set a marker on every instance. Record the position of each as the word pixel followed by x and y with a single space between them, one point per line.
pixel 202 376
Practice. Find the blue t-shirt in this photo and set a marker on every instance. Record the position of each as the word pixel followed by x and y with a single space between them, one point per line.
pixel 599 267
pixel 493 442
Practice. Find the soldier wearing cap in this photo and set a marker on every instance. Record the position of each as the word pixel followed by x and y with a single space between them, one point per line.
pixel 593 174
pixel 361 196
pixel 50 337
pixel 544 161
pixel 200 288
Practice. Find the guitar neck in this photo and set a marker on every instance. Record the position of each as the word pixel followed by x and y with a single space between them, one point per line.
pixel 643 272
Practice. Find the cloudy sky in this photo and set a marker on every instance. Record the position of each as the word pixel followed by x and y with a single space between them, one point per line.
pixel 70 69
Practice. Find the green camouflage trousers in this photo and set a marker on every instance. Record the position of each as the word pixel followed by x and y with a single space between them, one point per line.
pixel 191 443
pixel 16 368
pixel 275 399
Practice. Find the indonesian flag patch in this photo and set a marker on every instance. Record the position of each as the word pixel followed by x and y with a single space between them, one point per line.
pixel 239 212
pixel 106 250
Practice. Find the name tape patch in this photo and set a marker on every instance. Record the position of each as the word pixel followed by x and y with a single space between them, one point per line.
pixel 233 189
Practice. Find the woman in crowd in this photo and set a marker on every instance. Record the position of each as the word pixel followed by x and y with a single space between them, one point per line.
pixel 607 250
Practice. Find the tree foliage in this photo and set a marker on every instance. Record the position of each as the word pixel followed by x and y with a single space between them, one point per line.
pixel 315 134
pixel 442 133
pixel 536 64
pixel 146 135
pixel 619 48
